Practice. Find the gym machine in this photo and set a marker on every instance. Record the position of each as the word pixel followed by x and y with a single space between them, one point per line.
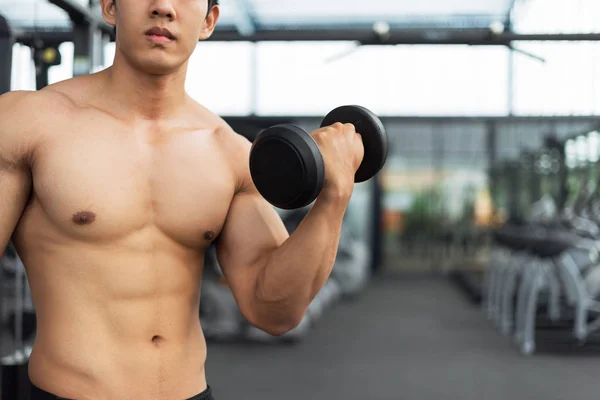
pixel 17 320
pixel 45 58
pixel 88 35
pixel 6 49
pixel 552 256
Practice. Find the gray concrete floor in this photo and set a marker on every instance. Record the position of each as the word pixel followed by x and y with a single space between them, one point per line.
pixel 406 338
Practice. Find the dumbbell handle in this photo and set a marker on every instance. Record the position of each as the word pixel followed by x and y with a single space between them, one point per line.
pixel 373 134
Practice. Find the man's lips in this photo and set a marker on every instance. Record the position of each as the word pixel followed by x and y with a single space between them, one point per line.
pixel 160 32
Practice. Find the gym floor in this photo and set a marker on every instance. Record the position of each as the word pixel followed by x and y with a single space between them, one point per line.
pixel 406 338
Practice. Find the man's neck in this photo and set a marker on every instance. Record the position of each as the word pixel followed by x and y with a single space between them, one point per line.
pixel 147 96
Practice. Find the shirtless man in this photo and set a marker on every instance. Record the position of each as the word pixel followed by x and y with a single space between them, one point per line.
pixel 114 184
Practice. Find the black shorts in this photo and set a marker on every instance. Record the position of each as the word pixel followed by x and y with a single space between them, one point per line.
pixel 38 394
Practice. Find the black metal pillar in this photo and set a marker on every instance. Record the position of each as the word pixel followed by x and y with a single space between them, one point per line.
pixel 41 69
pixel 6 50
pixel 377 225
pixel 512 185
pixel 557 146
pixel 492 154
pixel 44 58
pixel 83 41
pixel 439 151
pixel 41 77
pixel 530 187
pixel 535 178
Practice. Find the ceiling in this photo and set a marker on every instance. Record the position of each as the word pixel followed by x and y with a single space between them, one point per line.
pixel 344 12
pixel 34 13
pixel 247 16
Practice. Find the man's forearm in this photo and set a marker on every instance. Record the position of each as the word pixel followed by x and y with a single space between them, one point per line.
pixel 297 270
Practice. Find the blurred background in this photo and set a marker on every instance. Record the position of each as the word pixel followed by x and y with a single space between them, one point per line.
pixel 468 268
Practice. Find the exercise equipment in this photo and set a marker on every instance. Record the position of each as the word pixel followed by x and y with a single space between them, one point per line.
pixel 287 166
pixel 17 343
pixel 219 314
pixel 352 267
pixel 329 293
pixel 533 265
pixel 552 256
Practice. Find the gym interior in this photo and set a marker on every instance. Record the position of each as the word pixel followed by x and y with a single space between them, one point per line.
pixel 468 268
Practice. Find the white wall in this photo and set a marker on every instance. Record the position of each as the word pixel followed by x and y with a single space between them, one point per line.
pixel 309 78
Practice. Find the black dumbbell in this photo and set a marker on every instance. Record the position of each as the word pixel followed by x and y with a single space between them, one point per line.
pixel 287 167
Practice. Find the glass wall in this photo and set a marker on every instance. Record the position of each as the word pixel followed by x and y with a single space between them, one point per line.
pixel 436 190
pixel 272 79
pixel 313 78
pixel 220 77
pixel 296 78
pixel 567 82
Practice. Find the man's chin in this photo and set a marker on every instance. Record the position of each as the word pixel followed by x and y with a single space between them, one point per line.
pixel 159 67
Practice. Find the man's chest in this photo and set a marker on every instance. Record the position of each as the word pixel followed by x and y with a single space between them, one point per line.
pixel 114 184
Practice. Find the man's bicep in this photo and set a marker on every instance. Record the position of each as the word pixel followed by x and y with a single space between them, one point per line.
pixel 253 230
pixel 15 179
pixel 15 186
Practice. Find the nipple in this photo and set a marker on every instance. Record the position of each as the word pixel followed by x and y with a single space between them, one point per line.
pixel 84 218
pixel 209 236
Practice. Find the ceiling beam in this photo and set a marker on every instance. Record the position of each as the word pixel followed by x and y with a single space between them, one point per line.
pixel 536 119
pixel 475 37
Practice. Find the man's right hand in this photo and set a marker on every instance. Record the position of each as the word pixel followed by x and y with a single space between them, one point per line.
pixel 343 152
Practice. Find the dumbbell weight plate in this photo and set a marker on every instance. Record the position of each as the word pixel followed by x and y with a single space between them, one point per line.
pixel 287 167
pixel 373 133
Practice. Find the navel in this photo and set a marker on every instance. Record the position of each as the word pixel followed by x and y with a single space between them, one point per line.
pixel 84 218
pixel 157 340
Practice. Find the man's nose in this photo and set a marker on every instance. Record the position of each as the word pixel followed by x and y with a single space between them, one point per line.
pixel 163 8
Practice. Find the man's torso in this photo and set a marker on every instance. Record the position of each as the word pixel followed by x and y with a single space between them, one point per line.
pixel 113 239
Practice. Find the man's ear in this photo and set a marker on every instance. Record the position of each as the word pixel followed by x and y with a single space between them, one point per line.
pixel 109 11
pixel 208 27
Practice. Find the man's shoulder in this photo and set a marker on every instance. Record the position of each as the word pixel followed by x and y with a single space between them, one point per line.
pixel 23 108
pixel 21 112
pixel 237 152
pixel 25 116
pixel 71 93
pixel 25 101
pixel 226 135
pixel 17 110
pixel 234 147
